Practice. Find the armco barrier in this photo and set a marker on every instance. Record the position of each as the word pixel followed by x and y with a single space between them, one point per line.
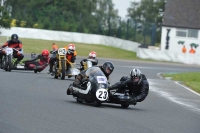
pixel 71 37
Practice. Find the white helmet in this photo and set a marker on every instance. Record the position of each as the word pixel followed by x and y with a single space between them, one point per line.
pixel 92 55
pixel 71 48
pixel 135 76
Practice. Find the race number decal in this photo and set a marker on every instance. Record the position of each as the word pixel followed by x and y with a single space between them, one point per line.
pixel 62 51
pixel 9 51
pixel 101 79
pixel 102 94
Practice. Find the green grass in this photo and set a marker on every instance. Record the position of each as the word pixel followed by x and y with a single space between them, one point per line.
pixel 191 79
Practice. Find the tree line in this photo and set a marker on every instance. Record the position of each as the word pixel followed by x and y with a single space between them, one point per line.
pixel 85 16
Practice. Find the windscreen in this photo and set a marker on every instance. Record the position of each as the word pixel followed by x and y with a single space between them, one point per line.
pixel 94 71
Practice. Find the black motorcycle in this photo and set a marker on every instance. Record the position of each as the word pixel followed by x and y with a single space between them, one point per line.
pixel 96 88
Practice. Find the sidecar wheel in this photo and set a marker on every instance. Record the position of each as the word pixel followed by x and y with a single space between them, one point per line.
pixel 97 103
pixel 79 101
pixel 125 105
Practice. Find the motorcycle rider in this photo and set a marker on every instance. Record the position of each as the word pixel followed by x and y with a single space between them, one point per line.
pixel 70 56
pixel 107 68
pixel 137 85
pixel 38 65
pixel 92 57
pixel 14 43
pixel 54 47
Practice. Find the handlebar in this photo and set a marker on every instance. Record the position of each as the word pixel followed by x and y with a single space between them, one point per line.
pixel 15 49
pixel 53 52
pixel 9 47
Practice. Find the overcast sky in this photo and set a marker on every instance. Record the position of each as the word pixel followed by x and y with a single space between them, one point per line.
pixel 122 6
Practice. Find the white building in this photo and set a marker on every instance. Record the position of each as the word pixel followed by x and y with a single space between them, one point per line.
pixel 181 26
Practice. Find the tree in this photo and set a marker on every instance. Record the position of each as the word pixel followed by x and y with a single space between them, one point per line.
pixel 4 18
pixel 147 13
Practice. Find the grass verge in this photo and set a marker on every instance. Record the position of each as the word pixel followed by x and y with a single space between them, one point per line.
pixel 190 79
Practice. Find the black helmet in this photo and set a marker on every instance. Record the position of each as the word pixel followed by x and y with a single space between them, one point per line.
pixel 135 76
pixel 108 68
pixel 14 37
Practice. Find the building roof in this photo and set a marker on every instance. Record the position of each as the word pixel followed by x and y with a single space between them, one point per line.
pixel 182 13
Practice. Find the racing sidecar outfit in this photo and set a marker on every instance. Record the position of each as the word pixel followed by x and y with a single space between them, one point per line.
pixel 18 46
pixel 37 65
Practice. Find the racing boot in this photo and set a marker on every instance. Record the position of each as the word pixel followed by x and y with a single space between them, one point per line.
pixel 15 64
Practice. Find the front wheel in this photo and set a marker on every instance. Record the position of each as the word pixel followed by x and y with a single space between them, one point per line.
pixel 79 100
pixel 63 69
pixel 55 70
pixel 9 63
pixel 97 103
pixel 125 105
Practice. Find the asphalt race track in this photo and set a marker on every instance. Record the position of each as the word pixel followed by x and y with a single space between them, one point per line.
pixel 37 103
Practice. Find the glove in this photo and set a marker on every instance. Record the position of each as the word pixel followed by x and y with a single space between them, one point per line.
pixel 110 87
pixel 81 62
pixel 133 101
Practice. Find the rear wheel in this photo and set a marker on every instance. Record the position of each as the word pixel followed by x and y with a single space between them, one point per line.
pixel 63 69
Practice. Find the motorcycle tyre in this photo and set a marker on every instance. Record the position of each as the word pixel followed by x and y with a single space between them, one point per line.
pixel 35 71
pixel 97 103
pixel 63 69
pixel 5 64
pixel 2 63
pixel 78 100
pixel 125 104
pixel 55 70
pixel 9 63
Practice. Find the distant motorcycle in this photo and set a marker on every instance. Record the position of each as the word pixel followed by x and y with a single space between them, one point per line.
pixel 8 60
pixel 60 67
pixel 96 88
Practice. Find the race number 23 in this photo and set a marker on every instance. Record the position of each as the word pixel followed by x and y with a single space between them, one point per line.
pixel 102 94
